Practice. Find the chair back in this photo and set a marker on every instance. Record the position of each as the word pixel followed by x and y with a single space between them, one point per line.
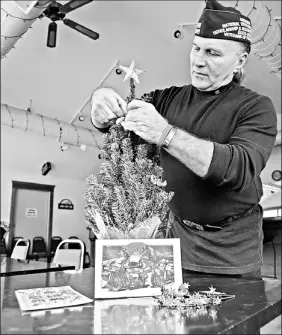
pixel 3 249
pixel 55 241
pixel 271 228
pixel 14 241
pixel 74 245
pixel 70 256
pixel 77 246
pixel 38 245
pixel 20 250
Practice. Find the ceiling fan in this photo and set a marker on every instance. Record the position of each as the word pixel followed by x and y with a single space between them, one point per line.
pixel 57 12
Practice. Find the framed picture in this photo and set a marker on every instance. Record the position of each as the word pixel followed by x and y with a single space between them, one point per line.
pixel 136 268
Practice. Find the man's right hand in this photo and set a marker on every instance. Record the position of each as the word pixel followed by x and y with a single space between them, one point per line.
pixel 106 105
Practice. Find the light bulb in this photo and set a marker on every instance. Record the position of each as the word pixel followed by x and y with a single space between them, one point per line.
pixel 64 147
pixel 83 147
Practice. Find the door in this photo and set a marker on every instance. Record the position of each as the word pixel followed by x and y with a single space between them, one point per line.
pixel 31 212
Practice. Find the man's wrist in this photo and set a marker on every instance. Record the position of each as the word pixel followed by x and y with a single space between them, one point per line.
pixel 167 136
pixel 164 134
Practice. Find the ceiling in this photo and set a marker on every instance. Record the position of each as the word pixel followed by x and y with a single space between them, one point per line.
pixel 60 80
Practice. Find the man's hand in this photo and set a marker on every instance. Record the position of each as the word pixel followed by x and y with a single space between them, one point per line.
pixel 143 119
pixel 106 105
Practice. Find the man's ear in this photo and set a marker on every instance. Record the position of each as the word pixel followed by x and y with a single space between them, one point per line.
pixel 242 60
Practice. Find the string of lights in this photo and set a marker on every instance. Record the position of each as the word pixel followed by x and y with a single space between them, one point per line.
pixel 78 137
pixel 253 7
pixel 5 56
pixel 6 47
pixel 20 18
pixel 279 70
pixel 268 52
pixel 60 131
pixel 16 36
pixel 261 41
pixel 265 57
pixel 272 59
pixel 268 40
pixel 274 67
pixel 43 125
pixel 275 44
pixel 266 30
pixel 76 141
pixel 256 12
pixel 42 5
pixel 94 138
pixel 12 119
pixel 257 28
pixel 26 122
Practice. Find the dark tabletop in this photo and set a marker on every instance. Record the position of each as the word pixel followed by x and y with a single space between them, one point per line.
pixel 256 303
pixel 13 267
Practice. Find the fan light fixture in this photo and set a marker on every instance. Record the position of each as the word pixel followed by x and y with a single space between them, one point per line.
pixel 52 35
pixel 57 12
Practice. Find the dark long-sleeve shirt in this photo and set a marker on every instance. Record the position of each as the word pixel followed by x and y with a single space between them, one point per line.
pixel 242 126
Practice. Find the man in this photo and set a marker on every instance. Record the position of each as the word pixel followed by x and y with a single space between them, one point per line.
pixel 216 137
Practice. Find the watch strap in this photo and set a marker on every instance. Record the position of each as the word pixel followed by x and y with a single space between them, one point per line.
pixel 169 137
pixel 164 134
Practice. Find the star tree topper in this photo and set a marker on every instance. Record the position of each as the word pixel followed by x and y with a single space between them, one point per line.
pixel 131 72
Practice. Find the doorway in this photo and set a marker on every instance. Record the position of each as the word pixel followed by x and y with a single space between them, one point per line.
pixel 31 212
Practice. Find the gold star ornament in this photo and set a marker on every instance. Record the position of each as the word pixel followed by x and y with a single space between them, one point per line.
pixel 131 72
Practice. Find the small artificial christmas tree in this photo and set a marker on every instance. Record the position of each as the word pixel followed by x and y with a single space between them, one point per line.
pixel 129 200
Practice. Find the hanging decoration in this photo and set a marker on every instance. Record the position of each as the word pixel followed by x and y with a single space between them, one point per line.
pixel 15 23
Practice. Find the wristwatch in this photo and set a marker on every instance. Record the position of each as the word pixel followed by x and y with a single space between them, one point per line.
pixel 169 137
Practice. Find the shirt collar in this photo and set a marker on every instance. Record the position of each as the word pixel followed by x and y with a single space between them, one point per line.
pixel 218 91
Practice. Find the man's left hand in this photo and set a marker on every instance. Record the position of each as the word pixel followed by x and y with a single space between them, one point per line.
pixel 144 120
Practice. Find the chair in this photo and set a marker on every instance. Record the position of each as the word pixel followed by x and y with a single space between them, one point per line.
pixel 55 241
pixel 3 249
pixel 77 246
pixel 70 256
pixel 20 250
pixel 14 241
pixel 271 228
pixel 73 245
pixel 38 248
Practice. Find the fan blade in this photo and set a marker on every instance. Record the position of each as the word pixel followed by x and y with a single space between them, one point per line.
pixel 74 4
pixel 81 29
pixel 52 35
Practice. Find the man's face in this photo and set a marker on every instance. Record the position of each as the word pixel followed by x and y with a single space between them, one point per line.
pixel 212 62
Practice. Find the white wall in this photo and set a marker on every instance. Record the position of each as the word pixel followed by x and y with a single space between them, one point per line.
pixel 59 80
pixel 22 155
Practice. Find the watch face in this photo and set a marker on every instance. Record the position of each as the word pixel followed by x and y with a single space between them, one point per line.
pixel 276 175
